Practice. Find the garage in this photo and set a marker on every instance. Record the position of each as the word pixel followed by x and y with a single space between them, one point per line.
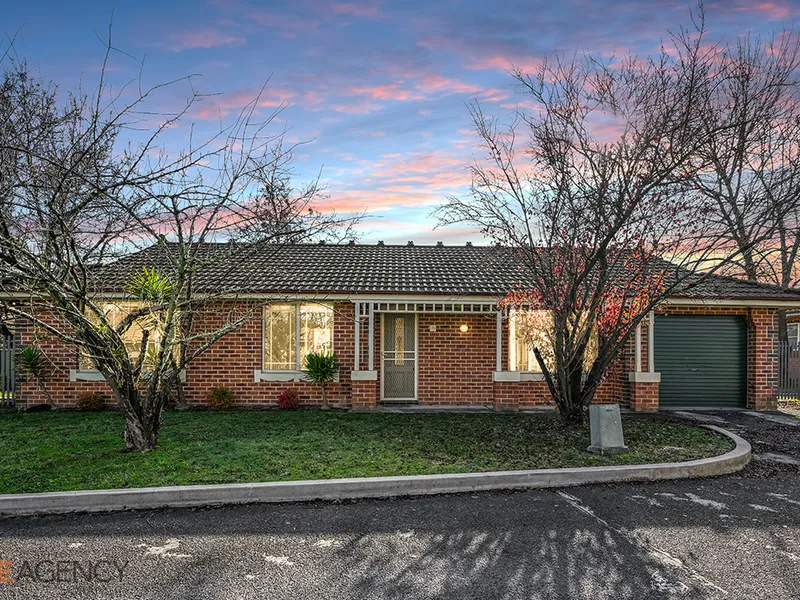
pixel 702 361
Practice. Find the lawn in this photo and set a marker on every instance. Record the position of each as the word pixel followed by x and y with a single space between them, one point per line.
pixel 58 451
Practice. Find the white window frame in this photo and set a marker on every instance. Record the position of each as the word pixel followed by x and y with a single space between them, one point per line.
pixel 89 374
pixel 512 346
pixel 296 374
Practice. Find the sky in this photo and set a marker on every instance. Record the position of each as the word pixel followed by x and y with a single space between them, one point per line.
pixel 377 91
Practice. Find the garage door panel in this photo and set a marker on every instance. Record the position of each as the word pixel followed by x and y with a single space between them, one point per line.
pixel 702 361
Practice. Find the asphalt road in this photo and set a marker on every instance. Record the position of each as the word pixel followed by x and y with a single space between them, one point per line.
pixel 736 537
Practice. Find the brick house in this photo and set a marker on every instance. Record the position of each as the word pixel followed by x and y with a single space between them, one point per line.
pixel 421 324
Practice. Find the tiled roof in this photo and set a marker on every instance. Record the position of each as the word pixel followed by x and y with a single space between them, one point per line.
pixel 379 269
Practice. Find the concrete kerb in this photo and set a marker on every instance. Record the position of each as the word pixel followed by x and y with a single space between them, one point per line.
pixel 368 487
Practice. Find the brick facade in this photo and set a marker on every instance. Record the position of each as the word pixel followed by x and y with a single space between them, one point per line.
pixel 454 367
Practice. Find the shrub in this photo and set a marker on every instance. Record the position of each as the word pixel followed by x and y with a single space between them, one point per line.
pixel 288 399
pixel 90 401
pixel 221 397
pixel 321 369
pixel 33 364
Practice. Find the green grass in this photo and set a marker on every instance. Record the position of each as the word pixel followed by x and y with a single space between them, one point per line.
pixel 57 451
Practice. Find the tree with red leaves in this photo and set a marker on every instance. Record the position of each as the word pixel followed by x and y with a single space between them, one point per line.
pixel 601 210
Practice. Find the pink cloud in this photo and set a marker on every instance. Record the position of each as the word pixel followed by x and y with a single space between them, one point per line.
pixel 391 91
pixel 360 107
pixel 201 38
pixel 773 10
pixel 346 201
pixel 433 171
pixel 290 25
pixel 222 105
pixel 494 95
pixel 355 10
pixel 313 98
pixel 439 84
pixel 522 104
pixel 527 64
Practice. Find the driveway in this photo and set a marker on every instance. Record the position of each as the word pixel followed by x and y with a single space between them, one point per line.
pixel 735 537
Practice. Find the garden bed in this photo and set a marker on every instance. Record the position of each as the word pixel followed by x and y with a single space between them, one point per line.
pixel 60 451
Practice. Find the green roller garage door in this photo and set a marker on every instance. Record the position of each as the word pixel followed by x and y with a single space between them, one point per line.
pixel 702 361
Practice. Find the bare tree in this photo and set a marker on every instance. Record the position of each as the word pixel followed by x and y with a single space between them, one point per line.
pixel 753 165
pixel 85 181
pixel 600 210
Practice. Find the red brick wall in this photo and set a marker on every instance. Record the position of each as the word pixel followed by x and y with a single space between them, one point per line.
pixel 233 359
pixel 454 367
pixel 228 363
pixel 62 357
pixel 762 358
pixel 644 396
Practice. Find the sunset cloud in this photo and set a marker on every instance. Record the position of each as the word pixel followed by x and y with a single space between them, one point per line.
pixel 377 89
pixel 201 38
pixel 355 10
pixel 291 25
pixel 390 91
pixel 506 64
pixel 773 10
pixel 222 105
pixel 446 85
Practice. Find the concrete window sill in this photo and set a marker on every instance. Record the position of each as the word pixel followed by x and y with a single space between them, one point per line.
pixel 642 377
pixel 364 375
pixel 516 376
pixel 289 375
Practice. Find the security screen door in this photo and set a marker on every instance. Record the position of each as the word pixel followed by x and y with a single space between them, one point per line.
pixel 399 357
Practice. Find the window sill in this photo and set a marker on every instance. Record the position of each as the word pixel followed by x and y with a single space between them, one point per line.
pixel 516 376
pixel 644 377
pixel 364 375
pixel 289 375
pixel 95 375
pixel 85 375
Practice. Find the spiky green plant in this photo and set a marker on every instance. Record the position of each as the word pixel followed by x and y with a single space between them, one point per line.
pixel 321 368
pixel 33 364
pixel 151 284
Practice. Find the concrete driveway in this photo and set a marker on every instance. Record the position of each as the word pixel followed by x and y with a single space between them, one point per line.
pixel 732 537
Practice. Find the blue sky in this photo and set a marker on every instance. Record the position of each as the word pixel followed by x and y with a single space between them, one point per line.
pixel 377 88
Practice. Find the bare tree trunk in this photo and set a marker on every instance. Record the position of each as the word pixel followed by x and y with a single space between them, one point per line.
pixel 141 436
pixel 324 386
pixel 142 419
pixel 47 395
pixel 571 398
pixel 180 395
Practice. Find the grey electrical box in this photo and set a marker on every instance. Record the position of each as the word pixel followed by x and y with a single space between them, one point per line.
pixel 606 427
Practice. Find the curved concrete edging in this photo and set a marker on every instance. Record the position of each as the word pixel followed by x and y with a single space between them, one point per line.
pixel 368 487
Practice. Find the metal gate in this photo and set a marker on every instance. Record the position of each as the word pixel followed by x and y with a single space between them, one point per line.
pixel 789 380
pixel 7 377
pixel 399 377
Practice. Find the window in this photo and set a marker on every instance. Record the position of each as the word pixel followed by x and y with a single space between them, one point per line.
pixel 289 327
pixel 793 333
pixel 526 329
pixel 534 328
pixel 132 337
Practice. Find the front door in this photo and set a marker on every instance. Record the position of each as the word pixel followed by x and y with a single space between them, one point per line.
pixel 399 357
